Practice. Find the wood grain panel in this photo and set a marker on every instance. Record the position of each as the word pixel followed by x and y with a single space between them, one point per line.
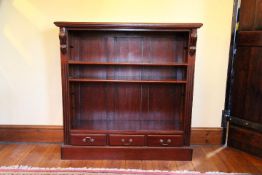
pixel 250 38
pixel 250 16
pixel 245 139
pixel 165 102
pixel 206 136
pixel 258 18
pixel 127 72
pixel 31 133
pixel 93 101
pixel 246 89
pixel 253 100
pixel 241 68
pixel 123 153
pixel 132 47
pixel 127 102
pixel 131 126
pixel 247 17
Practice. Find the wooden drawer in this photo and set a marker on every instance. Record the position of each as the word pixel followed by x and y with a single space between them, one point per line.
pixel 165 140
pixel 126 140
pixel 88 139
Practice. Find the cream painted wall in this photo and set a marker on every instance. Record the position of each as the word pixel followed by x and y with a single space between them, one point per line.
pixel 30 88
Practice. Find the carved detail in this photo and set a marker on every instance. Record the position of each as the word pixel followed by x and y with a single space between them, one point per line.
pixel 192 42
pixel 62 37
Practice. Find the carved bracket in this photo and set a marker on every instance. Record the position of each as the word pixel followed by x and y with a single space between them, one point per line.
pixel 63 39
pixel 192 42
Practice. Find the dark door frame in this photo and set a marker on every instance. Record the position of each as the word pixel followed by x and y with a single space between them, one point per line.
pixel 226 113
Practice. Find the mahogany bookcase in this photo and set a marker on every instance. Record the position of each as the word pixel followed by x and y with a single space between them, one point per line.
pixel 127 90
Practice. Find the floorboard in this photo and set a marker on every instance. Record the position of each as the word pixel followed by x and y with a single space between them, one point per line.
pixel 205 158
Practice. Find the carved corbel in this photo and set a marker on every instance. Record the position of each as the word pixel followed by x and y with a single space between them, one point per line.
pixel 192 42
pixel 63 39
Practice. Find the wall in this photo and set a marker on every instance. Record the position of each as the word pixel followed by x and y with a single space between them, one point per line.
pixel 30 88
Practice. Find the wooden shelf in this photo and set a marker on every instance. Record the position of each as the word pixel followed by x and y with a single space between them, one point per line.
pixel 128 126
pixel 125 63
pixel 123 81
pixel 126 81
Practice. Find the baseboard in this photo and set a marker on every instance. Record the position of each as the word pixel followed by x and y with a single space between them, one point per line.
pixel 42 133
pixel 31 133
pixel 209 136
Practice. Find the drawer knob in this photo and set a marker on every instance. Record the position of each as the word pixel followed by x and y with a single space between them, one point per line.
pixel 165 143
pixel 127 142
pixel 88 140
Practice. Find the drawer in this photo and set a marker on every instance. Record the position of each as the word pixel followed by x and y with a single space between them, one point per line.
pixel 88 139
pixel 165 140
pixel 126 140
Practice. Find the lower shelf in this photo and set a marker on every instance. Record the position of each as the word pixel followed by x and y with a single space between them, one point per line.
pixel 127 125
pixel 125 153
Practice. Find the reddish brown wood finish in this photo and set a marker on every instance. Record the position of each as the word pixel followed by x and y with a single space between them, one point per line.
pixel 126 63
pixel 88 139
pixel 126 140
pixel 54 134
pixel 192 39
pixel 129 26
pixel 126 153
pixel 164 140
pixel 63 36
pixel 134 79
pixel 127 126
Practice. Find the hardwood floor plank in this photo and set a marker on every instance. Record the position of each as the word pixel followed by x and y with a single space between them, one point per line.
pixel 170 165
pixel 161 165
pixel 212 153
pixel 201 162
pixel 148 165
pixel 256 161
pixel 185 165
pixel 231 168
pixel 133 164
pixel 245 165
pixel 205 158
pixel 14 154
pixel 114 164
pixel 37 155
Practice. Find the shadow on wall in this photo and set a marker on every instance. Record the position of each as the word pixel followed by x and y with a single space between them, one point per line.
pixel 30 64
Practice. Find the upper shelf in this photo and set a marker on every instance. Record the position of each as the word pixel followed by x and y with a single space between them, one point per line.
pixel 129 26
pixel 95 80
pixel 125 63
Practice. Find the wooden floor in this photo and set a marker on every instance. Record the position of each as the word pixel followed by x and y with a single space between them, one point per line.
pixel 205 158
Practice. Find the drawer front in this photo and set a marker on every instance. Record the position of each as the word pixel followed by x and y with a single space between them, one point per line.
pixel 88 139
pixel 126 140
pixel 165 140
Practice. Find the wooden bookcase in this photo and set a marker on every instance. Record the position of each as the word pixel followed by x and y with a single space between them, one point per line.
pixel 127 90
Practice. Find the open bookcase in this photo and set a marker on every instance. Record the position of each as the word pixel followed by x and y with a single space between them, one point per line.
pixel 127 90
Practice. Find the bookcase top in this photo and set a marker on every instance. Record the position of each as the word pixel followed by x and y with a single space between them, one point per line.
pixel 129 26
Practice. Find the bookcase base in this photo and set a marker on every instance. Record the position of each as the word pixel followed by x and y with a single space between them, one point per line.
pixel 125 153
